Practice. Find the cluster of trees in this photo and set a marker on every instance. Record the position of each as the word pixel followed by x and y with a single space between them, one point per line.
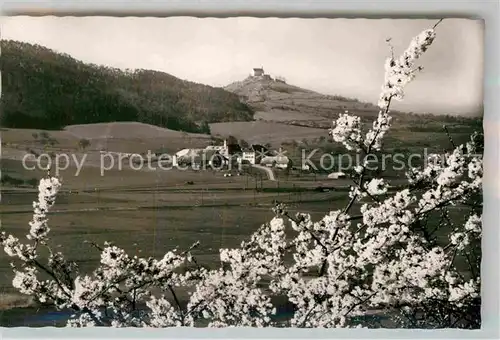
pixel 48 90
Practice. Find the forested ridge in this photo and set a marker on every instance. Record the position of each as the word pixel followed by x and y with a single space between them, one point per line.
pixel 48 90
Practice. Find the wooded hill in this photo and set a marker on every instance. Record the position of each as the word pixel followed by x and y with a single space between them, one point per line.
pixel 44 89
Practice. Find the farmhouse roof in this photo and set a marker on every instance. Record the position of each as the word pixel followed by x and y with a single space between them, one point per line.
pixel 188 152
pixel 275 159
pixel 214 147
pixel 200 155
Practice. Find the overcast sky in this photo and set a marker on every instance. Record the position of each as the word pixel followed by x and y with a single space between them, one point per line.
pixel 331 56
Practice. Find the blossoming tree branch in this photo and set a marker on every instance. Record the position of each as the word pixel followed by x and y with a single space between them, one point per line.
pixel 381 252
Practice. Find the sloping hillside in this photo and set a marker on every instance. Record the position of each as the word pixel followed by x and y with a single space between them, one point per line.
pixel 260 132
pixel 49 90
pixel 278 101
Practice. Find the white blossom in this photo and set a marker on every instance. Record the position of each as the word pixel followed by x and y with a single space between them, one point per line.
pixel 473 224
pixel 347 130
pixel 377 186
pixel 47 189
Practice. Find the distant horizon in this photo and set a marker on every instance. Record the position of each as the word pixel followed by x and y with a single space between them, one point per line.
pixel 451 84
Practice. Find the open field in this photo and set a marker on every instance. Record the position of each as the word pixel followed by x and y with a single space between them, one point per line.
pixel 141 213
pixel 150 231
pixel 151 223
pixel 90 176
pixel 127 137
pixel 151 211
pixel 124 130
pixel 261 132
pixel 277 115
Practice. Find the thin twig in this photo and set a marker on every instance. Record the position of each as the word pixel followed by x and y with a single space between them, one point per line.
pixel 368 150
pixel 449 136
pixel 437 23
pixel 177 303
pixel 307 315
pixel 53 275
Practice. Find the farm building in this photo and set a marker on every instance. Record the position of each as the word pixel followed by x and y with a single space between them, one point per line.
pixel 281 162
pixel 253 155
pixel 200 157
pixel 247 156
pixel 213 155
pixel 214 158
pixel 222 149
pixel 185 156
